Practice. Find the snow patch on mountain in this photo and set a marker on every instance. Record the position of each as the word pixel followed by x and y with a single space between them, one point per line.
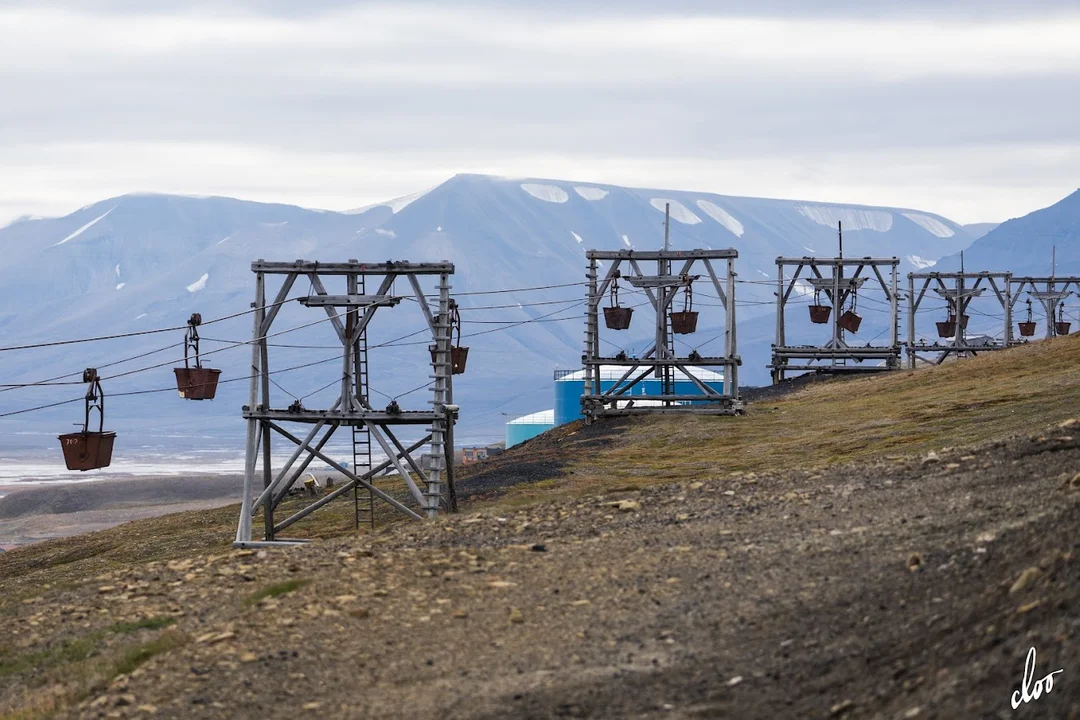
pixel 853 218
pixel 930 224
pixel 547 193
pixel 396 205
pixel 721 216
pixel 86 227
pixel 591 193
pixel 198 284
pixel 921 263
pixel 678 211
pixel 401 203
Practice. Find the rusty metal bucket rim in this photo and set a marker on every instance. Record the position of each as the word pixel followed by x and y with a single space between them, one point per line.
pixel 684 322
pixel 850 321
pixel 820 314
pixel 197 383
pixel 946 328
pixel 618 318
pixel 91 451
pixel 459 356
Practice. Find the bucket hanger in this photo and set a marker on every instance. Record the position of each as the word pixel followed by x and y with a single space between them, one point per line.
pixel 94 400
pixel 191 339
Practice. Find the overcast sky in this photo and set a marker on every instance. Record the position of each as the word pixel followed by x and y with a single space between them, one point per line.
pixel 968 108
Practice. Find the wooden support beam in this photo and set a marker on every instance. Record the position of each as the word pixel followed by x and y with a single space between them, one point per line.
pixel 306 267
pixel 351 301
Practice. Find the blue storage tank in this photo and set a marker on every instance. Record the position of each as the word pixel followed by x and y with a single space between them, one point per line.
pixel 569 388
pixel 521 429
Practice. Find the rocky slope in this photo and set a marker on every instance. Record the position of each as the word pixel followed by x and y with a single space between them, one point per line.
pixel 742 567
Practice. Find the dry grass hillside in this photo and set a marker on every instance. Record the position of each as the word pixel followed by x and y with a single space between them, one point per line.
pixel 805 560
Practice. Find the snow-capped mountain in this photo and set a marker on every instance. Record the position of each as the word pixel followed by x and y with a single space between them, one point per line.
pixel 1026 244
pixel 141 262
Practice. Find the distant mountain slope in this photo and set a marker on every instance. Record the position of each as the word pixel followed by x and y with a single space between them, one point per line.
pixel 1024 245
pixel 141 262
pixel 977 230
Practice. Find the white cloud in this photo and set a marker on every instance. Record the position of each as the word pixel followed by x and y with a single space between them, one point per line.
pixel 243 102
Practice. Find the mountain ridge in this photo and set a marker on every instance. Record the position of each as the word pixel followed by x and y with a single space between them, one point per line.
pixel 147 260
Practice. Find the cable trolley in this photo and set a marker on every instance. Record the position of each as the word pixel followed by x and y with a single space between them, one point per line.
pixel 195 383
pixel 88 449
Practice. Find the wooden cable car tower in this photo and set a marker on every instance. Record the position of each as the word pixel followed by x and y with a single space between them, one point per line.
pixel 350 314
pixel 837 354
pixel 952 333
pixel 1051 295
pixel 660 359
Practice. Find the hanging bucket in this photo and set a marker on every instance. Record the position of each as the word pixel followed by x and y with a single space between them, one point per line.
pixel 1062 328
pixel 617 318
pixel 946 329
pixel 1027 329
pixel 684 323
pixel 197 383
pixel 849 321
pixel 820 314
pixel 458 354
pixel 87 450
pixel 458 357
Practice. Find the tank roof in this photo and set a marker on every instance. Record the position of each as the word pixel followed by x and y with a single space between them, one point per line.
pixel 544 417
pixel 614 372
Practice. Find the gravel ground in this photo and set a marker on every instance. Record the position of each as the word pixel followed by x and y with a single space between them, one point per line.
pixel 908 588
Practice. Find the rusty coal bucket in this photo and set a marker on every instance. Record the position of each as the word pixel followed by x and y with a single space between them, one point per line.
pixel 946 328
pixel 1062 328
pixel 458 357
pixel 849 321
pixel 196 383
pixel 820 314
pixel 963 321
pixel 87 450
pixel 1027 329
pixel 684 323
pixel 618 318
